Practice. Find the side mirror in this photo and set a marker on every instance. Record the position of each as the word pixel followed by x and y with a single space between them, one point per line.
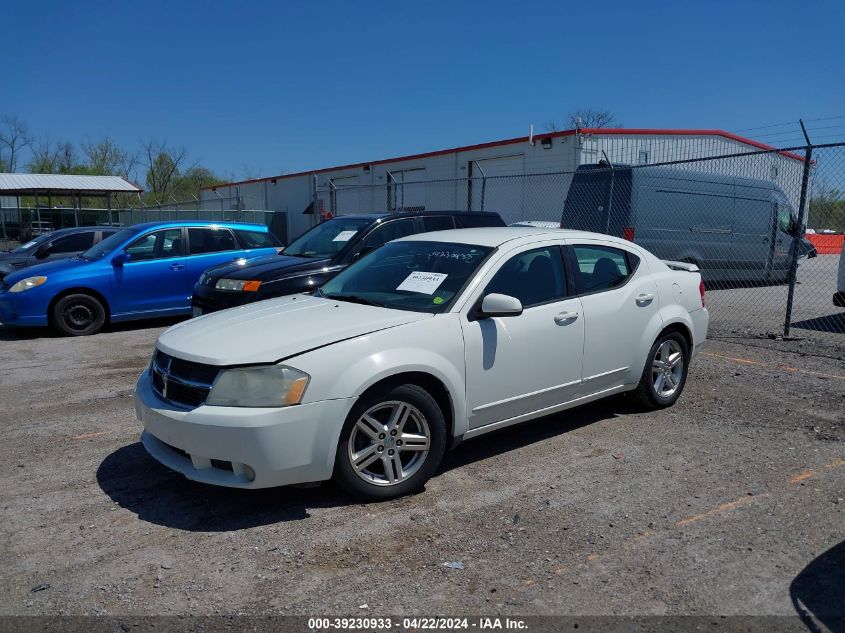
pixel 42 251
pixel 364 251
pixel 121 258
pixel 496 305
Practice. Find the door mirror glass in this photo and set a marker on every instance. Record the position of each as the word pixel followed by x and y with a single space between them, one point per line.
pixel 497 305
pixel 121 258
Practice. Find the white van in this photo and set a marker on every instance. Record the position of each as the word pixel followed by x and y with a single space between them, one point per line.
pixel 732 228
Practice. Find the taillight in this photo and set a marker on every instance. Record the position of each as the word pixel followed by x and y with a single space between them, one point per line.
pixel 701 291
pixel 628 233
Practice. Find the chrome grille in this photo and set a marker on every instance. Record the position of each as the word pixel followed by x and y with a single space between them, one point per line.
pixel 182 382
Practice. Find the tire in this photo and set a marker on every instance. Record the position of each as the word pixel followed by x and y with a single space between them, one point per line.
pixel 376 449
pixel 661 386
pixel 78 315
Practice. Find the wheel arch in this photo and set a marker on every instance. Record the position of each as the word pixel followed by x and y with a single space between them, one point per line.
pixel 681 328
pixel 431 383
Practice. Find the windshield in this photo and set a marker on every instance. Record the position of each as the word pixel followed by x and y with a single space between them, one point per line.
pixel 327 239
pixel 417 276
pixel 109 244
pixel 23 248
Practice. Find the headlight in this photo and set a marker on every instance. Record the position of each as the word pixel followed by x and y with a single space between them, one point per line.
pixel 26 284
pixel 272 386
pixel 238 285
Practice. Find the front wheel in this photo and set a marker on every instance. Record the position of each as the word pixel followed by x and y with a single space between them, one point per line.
pixel 78 315
pixel 665 372
pixel 391 444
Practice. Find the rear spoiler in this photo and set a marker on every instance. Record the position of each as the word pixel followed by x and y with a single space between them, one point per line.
pixel 690 268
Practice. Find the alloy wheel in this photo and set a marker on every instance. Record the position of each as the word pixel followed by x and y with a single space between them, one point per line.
pixel 667 368
pixel 389 443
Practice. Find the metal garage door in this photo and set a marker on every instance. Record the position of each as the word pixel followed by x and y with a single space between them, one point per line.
pixel 499 181
pixel 407 189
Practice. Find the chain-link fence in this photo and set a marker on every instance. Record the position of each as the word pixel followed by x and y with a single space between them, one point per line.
pixel 765 227
pixel 23 223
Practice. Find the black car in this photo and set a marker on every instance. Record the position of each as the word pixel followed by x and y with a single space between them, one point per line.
pixel 319 254
pixel 54 245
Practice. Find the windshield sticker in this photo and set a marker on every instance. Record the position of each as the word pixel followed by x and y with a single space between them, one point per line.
pixel 438 300
pixel 344 236
pixel 422 282
pixel 28 244
pixel 464 257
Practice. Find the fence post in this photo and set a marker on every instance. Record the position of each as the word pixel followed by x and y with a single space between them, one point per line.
pixel 793 264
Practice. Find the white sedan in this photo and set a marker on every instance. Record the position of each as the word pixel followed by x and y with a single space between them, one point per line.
pixel 429 340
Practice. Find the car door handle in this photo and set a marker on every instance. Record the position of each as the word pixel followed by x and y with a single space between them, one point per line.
pixel 644 299
pixel 176 266
pixel 565 317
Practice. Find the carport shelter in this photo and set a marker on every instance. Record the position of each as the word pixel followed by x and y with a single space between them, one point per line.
pixel 63 185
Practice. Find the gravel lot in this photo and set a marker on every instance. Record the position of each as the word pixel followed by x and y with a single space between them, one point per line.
pixel 729 503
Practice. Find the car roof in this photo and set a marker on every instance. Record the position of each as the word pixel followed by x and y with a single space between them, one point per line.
pixel 76 229
pixel 410 214
pixel 198 223
pixel 497 235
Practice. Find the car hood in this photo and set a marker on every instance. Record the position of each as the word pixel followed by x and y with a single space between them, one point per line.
pixel 46 269
pixel 266 268
pixel 275 329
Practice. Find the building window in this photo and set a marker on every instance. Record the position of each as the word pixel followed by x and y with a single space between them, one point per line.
pixel 643 159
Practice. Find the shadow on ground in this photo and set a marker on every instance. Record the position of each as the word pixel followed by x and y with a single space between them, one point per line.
pixel 830 323
pixel 9 333
pixel 818 592
pixel 136 482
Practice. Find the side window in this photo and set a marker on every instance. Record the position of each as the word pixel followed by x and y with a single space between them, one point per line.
pixel 437 223
pixel 73 243
pixel 211 241
pixel 601 268
pixel 390 230
pixel 533 277
pixel 156 245
pixel 257 239
pixel 783 217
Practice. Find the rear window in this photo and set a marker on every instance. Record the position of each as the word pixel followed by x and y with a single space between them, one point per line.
pixel 437 223
pixel 257 239
pixel 471 220
pixel 211 241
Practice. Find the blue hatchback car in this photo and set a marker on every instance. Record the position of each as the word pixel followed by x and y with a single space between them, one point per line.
pixel 143 271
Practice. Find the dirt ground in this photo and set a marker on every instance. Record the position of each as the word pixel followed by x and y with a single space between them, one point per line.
pixel 731 502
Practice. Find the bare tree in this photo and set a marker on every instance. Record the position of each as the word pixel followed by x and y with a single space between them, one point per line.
pixel 106 158
pixel 551 126
pixel 15 136
pixel 54 158
pixel 164 165
pixel 592 118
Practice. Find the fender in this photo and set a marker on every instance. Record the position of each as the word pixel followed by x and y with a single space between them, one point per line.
pixel 348 368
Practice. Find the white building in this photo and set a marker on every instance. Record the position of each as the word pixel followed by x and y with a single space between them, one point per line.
pixel 522 178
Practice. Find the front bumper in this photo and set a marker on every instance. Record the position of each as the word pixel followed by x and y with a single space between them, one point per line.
pixel 208 299
pixel 242 447
pixel 28 308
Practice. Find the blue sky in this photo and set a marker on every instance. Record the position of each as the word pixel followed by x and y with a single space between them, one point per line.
pixel 268 87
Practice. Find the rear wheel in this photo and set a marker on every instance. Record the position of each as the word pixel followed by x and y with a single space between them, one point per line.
pixel 78 315
pixel 665 372
pixel 391 444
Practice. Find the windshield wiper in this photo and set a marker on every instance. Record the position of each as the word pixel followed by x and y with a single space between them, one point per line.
pixel 353 299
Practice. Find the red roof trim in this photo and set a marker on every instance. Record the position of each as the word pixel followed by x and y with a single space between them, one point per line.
pixel 519 139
